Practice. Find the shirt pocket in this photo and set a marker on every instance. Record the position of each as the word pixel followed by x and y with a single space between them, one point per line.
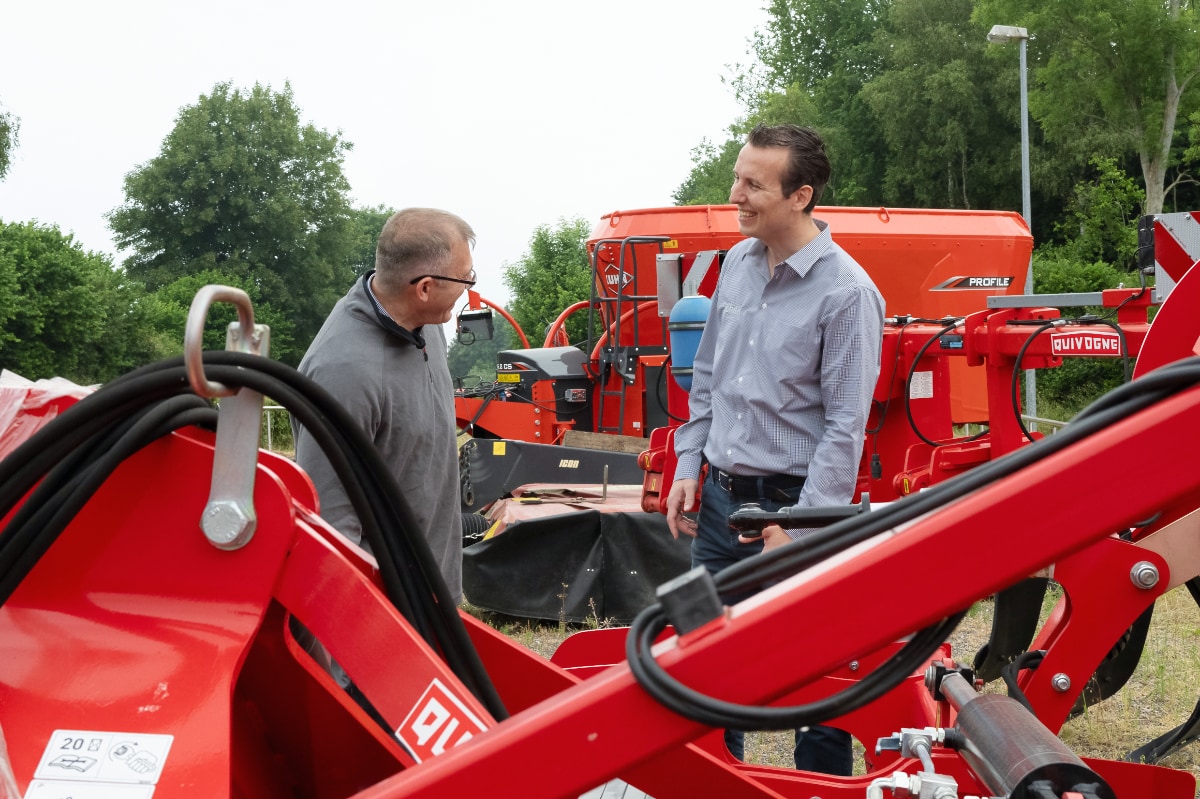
pixel 796 343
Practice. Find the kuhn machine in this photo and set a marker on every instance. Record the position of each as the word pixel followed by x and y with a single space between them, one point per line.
pixel 959 332
pixel 649 268
pixel 154 563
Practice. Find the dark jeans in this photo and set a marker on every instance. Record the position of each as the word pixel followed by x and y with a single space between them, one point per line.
pixel 822 749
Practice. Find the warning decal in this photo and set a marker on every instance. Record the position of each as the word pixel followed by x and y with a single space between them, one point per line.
pixel 87 764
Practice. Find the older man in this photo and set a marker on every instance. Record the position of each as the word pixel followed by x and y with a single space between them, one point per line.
pixel 382 354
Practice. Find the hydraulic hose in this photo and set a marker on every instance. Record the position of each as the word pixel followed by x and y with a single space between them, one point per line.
pixel 755 573
pixel 76 451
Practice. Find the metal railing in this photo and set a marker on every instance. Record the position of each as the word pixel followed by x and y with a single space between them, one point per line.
pixel 269 420
pixel 1034 423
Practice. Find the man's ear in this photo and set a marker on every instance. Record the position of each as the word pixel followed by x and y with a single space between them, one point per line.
pixel 423 287
pixel 801 197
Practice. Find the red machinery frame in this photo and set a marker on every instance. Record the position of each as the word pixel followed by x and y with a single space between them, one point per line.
pixel 133 623
pixel 924 262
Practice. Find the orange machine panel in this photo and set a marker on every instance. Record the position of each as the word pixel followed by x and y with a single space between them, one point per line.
pixel 927 263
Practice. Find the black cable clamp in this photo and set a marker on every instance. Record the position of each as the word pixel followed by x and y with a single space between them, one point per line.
pixel 690 600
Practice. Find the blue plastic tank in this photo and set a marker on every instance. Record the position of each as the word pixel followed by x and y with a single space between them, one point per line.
pixel 685 325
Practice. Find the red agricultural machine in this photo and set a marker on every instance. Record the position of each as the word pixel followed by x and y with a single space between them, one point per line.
pixel 958 333
pixel 931 266
pixel 154 567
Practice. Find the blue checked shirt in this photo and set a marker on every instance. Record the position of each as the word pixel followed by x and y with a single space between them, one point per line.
pixel 785 371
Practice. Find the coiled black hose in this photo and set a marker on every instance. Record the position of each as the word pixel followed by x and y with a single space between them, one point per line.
pixel 79 449
pixel 756 573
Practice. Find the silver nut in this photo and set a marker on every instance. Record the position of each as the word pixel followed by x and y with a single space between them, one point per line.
pixel 1144 574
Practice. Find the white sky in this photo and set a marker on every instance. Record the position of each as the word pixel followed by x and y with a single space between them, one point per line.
pixel 511 114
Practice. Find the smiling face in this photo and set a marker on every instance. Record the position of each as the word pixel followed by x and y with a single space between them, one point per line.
pixel 764 212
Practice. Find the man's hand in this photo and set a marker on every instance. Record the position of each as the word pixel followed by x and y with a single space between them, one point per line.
pixel 681 498
pixel 772 537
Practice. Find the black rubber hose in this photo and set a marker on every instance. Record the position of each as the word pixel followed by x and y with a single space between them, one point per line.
pixel 755 573
pixel 912 423
pixel 407 555
pixel 1011 671
pixel 1012 388
pixel 154 372
pixel 716 713
pixel 38 523
pixel 411 577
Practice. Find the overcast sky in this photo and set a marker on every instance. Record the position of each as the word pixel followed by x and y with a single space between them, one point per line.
pixel 511 114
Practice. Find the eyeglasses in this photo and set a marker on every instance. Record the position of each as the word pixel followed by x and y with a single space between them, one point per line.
pixel 467 283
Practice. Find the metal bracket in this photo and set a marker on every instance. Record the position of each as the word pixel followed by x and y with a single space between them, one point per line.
pixel 229 519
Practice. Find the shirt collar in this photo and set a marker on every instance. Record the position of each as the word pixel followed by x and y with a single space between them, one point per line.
pixel 802 260
pixel 414 337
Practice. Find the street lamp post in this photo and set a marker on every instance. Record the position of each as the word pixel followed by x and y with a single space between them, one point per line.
pixel 1002 34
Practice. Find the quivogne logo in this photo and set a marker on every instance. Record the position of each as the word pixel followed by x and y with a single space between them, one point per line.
pixel 1091 343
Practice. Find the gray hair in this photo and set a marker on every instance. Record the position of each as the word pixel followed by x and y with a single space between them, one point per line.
pixel 417 240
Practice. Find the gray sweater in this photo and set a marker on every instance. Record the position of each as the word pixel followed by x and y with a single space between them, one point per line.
pixel 403 399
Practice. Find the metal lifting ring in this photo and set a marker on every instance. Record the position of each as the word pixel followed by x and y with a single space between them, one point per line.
pixel 193 336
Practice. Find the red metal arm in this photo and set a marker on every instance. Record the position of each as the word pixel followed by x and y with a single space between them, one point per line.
pixel 476 300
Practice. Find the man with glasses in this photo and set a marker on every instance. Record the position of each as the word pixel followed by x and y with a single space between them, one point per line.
pixel 382 354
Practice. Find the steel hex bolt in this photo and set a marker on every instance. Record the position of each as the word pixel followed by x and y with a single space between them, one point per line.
pixel 226 524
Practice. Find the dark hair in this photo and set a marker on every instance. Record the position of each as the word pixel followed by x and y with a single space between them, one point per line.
pixel 417 240
pixel 808 165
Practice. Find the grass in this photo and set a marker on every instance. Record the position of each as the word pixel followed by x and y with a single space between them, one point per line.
pixel 539 635
pixel 1160 695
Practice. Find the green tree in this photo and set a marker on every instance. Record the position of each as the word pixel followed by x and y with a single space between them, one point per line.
pixel 932 104
pixel 1115 74
pixel 711 176
pixel 1102 217
pixel 807 42
pixel 368 223
pixel 554 274
pixel 66 312
pixel 813 60
pixel 241 186
pixel 10 127
pixel 172 303
pixel 1078 381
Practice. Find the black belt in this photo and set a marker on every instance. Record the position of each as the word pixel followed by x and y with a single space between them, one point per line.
pixel 767 486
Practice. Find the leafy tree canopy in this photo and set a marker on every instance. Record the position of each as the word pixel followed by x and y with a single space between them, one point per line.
pixel 76 317
pixel 931 103
pixel 555 274
pixel 242 186
pixel 172 303
pixel 918 109
pixel 1102 216
pixel 712 176
pixel 1114 73
pixel 10 126
pixel 807 42
pixel 368 224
